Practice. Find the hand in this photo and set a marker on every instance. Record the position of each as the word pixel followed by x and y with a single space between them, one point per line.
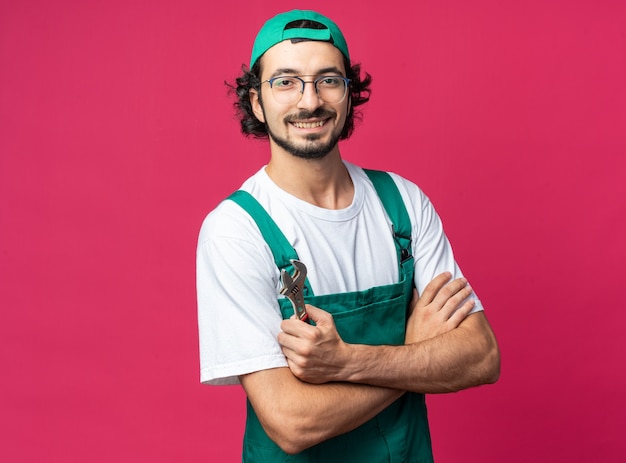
pixel 314 353
pixel 441 308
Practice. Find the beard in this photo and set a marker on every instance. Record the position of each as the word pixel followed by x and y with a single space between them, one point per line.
pixel 313 148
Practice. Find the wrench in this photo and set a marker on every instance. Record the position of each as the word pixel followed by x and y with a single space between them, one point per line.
pixel 292 288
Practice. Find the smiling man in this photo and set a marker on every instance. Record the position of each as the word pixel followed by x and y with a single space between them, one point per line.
pixel 389 316
pixel 316 129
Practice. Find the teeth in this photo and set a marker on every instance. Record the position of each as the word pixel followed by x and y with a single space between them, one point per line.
pixel 308 125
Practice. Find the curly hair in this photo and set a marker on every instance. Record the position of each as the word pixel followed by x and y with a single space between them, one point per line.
pixel 250 79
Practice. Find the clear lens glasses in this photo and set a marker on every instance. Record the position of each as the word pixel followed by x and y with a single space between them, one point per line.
pixel 289 89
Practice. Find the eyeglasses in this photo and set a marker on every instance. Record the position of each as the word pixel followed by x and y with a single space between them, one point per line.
pixel 289 89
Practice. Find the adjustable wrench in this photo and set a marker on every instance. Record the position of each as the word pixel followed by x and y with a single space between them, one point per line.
pixel 292 288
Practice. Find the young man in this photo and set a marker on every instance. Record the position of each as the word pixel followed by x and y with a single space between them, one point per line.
pixel 349 384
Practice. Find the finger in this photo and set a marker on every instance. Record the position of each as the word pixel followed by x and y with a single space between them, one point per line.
pixel 292 346
pixel 319 316
pixel 449 291
pixel 433 288
pixel 455 301
pixel 286 342
pixel 461 313
pixel 295 327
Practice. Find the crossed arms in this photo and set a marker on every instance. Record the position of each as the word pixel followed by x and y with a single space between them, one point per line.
pixel 332 387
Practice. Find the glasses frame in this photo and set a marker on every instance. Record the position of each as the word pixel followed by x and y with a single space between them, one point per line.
pixel 314 82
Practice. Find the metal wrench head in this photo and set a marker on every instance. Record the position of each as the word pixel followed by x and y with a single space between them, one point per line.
pixel 293 286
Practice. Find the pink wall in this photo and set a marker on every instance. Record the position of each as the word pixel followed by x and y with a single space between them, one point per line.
pixel 117 137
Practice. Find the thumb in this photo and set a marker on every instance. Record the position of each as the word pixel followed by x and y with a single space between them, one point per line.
pixel 318 315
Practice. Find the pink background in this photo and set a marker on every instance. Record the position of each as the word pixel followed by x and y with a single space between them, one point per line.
pixel 117 137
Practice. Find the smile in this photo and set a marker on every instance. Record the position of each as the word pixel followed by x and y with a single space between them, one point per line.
pixel 308 125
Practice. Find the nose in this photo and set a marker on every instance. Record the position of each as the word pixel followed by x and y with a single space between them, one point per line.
pixel 310 99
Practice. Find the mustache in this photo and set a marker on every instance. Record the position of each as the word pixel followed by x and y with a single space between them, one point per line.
pixel 321 113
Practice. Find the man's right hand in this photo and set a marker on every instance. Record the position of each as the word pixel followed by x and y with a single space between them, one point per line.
pixel 315 353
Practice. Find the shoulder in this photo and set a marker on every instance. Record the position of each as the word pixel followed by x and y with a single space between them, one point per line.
pixel 412 195
pixel 421 211
pixel 406 187
pixel 229 220
pixel 416 201
pixel 409 190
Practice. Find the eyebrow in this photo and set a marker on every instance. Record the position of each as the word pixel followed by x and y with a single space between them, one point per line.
pixel 290 71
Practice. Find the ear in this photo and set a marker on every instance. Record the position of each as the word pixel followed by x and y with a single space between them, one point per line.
pixel 255 102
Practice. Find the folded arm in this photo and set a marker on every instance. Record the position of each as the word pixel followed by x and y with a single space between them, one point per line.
pixel 464 357
pixel 297 415
pixel 445 350
pixel 332 387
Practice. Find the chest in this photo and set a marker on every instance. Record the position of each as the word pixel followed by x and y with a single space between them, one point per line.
pixel 343 254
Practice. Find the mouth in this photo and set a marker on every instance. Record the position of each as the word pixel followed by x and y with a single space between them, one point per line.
pixel 311 120
pixel 308 125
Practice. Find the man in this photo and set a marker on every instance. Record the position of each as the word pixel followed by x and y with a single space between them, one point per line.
pixel 349 384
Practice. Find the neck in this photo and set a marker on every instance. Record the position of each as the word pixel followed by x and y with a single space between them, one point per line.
pixel 322 182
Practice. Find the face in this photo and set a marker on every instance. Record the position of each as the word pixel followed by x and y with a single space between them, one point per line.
pixel 308 128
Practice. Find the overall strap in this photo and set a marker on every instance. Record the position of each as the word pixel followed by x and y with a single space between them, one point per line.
pixel 396 210
pixel 282 251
